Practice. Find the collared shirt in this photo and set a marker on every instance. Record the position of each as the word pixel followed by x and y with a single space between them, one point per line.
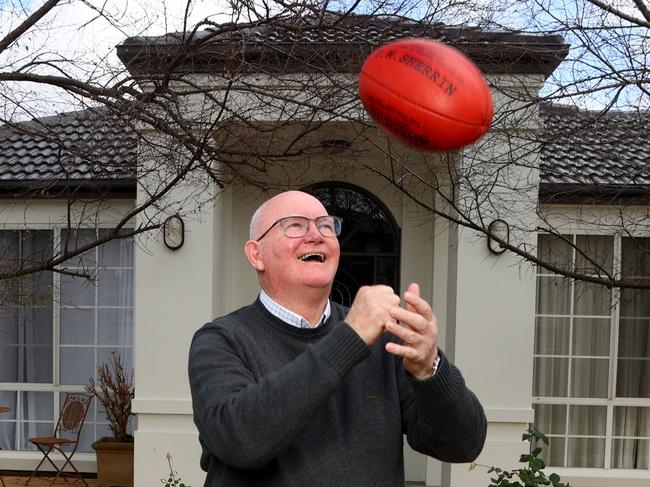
pixel 288 316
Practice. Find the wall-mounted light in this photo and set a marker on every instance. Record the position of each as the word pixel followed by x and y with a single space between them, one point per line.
pixel 501 230
pixel 174 232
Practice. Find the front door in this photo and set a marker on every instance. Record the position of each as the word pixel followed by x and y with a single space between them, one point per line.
pixel 370 239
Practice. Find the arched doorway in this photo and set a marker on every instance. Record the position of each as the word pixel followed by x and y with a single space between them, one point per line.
pixel 370 239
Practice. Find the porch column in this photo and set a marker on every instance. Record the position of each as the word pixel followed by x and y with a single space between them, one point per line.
pixel 175 293
pixel 491 298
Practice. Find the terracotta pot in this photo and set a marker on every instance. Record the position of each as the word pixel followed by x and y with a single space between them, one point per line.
pixel 114 463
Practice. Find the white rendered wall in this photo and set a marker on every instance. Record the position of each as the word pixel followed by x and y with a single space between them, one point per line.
pixel 491 298
pixel 174 295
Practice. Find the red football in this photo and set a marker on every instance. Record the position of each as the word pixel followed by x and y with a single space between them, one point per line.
pixel 426 94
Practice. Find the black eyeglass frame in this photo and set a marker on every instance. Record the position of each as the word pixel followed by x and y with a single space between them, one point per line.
pixel 337 219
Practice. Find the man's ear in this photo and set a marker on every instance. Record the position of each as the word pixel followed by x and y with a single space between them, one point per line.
pixel 252 251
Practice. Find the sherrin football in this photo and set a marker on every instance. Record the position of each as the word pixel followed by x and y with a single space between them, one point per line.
pixel 426 94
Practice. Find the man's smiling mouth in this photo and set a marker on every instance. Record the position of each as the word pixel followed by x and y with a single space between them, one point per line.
pixel 313 257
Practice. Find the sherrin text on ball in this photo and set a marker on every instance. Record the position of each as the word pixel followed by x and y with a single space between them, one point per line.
pixel 426 94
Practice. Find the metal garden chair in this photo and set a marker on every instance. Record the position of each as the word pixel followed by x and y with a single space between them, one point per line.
pixel 66 434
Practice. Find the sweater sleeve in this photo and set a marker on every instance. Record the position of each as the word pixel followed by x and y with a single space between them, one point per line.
pixel 441 417
pixel 245 421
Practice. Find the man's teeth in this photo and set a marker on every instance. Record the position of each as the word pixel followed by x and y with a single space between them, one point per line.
pixel 318 257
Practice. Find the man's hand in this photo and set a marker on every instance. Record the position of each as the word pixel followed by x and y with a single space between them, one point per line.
pixel 418 331
pixel 371 311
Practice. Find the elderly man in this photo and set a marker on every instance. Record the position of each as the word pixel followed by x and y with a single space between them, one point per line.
pixel 295 390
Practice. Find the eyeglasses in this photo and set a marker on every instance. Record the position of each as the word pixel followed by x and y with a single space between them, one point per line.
pixel 298 226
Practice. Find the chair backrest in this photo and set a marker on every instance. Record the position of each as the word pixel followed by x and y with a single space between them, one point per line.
pixel 73 414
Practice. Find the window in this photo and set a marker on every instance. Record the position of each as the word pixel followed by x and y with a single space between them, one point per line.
pixel 591 384
pixel 55 328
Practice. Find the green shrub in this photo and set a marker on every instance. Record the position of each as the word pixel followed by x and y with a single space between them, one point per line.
pixel 530 475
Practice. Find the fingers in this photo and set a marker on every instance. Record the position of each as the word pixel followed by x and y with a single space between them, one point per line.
pixel 416 304
pixel 417 329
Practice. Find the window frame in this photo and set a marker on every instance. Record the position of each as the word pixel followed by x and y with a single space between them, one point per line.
pixel 58 390
pixel 610 401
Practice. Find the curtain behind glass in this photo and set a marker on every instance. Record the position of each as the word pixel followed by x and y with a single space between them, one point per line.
pixel 572 349
pixel 633 365
pixel 26 330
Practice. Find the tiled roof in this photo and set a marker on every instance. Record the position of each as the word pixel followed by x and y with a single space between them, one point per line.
pixel 582 152
pixel 338 42
pixel 592 151
pixel 89 145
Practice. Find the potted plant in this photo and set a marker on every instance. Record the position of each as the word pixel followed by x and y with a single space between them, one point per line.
pixel 114 391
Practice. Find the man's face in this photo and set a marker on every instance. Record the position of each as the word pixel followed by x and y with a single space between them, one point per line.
pixel 292 264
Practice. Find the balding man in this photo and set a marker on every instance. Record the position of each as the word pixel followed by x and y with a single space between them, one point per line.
pixel 295 390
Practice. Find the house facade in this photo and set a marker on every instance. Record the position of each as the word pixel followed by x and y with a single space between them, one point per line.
pixel 530 345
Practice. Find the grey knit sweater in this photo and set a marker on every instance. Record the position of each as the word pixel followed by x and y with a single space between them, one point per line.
pixel 277 405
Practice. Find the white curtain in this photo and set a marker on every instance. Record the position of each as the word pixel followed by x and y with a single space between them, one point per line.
pixel 572 348
pixel 93 322
pixel 633 372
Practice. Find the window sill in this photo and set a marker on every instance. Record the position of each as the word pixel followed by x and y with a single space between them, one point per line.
pixel 566 474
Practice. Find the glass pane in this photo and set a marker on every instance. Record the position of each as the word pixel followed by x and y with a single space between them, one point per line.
pixel 36 246
pixel 9 260
pixel 104 357
pixel 592 299
pixel 38 405
pixel 635 303
pixel 586 452
pixel 587 420
pixel 631 454
pixel 86 438
pixel 553 453
pixel 631 421
pixel 386 270
pixel 115 326
pixel 77 291
pixel 78 326
pixel 36 289
pixel 8 399
pixel 115 287
pixel 74 239
pixel 115 253
pixel 553 296
pixel 8 325
pixel 554 250
pixel 552 336
pixel 595 254
pixel 8 364
pixel 635 257
pixel 367 226
pixel 550 377
pixel 550 419
pixel 634 339
pixel 353 272
pixel 77 365
pixel 633 378
pixel 38 325
pixel 7 435
pixel 37 365
pixel 591 336
pixel 589 377
pixel 34 430
pixel 9 245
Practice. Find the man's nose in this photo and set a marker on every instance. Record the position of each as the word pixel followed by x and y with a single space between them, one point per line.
pixel 312 231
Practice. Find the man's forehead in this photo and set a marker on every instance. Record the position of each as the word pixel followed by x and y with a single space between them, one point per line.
pixel 293 203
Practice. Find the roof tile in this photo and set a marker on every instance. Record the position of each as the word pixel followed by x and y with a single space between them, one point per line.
pixel 60 148
pixel 591 148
